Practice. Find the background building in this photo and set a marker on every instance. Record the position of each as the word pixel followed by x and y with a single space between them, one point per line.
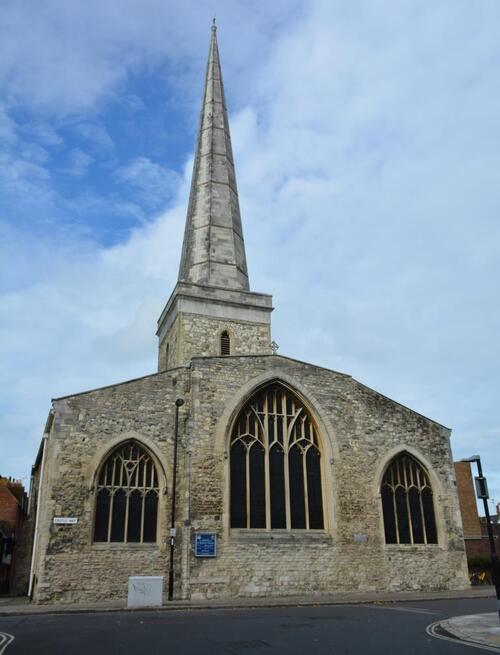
pixel 476 538
pixel 13 511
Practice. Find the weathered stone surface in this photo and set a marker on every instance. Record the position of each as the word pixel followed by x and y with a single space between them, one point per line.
pixel 200 336
pixel 195 316
pixel 213 251
pixel 359 430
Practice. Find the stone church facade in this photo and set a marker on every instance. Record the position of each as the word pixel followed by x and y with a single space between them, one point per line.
pixel 312 482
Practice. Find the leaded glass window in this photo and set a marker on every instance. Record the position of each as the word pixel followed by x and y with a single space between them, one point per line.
pixel 407 503
pixel 127 497
pixel 275 464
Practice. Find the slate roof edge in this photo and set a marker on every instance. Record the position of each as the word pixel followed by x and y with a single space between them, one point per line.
pixel 119 384
pixel 262 355
pixel 291 359
pixel 329 370
pixel 413 411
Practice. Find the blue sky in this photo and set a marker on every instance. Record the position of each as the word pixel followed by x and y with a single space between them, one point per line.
pixel 367 145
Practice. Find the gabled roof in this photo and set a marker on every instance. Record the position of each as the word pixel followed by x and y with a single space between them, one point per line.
pixel 277 357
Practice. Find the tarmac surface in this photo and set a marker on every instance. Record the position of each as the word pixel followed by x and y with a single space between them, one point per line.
pixel 21 605
pixel 305 625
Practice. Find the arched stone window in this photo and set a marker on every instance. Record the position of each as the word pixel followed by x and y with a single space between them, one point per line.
pixel 225 343
pixel 275 464
pixel 407 503
pixel 127 497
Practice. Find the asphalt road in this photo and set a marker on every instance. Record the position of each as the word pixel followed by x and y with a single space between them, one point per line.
pixel 392 629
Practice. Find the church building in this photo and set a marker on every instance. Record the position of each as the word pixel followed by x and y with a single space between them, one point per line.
pixel 302 479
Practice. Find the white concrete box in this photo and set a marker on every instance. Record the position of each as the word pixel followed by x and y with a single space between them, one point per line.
pixel 145 591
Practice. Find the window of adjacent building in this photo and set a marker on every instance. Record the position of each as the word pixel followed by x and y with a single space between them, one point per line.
pixel 275 464
pixel 127 497
pixel 225 343
pixel 407 503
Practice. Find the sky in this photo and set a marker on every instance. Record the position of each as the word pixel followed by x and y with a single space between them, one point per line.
pixel 366 137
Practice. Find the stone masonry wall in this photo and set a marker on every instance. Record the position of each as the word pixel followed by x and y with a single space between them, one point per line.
pixel 171 358
pixel 70 567
pixel 351 555
pixel 193 335
pixel 359 430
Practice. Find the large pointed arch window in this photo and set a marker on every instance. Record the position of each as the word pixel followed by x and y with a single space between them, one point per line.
pixel 407 503
pixel 275 464
pixel 127 497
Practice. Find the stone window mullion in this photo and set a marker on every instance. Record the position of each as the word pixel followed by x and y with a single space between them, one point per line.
pixel 306 496
pixel 405 509
pixel 128 475
pixel 274 429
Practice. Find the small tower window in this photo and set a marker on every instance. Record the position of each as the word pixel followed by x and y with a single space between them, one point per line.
pixel 225 343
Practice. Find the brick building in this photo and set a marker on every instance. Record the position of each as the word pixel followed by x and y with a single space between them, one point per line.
pixel 13 510
pixel 475 530
pixel 310 481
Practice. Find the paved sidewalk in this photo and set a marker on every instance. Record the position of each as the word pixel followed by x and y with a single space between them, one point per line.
pixel 13 606
pixel 475 629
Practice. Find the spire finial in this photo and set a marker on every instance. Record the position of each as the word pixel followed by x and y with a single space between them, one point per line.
pixel 214 26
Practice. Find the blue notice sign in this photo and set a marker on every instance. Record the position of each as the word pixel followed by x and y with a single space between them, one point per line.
pixel 205 544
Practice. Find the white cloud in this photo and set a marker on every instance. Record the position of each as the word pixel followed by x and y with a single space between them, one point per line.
pixel 79 163
pixel 44 133
pixel 83 319
pixel 94 133
pixel 20 175
pixel 7 127
pixel 23 170
pixel 366 167
pixel 154 183
pixel 73 56
pixel 367 149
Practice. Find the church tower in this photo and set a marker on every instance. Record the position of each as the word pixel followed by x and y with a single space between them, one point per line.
pixel 211 310
pixel 303 480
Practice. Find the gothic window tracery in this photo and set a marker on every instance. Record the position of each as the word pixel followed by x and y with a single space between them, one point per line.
pixel 127 497
pixel 407 503
pixel 275 464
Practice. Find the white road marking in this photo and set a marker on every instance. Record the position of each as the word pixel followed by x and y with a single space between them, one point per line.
pixel 5 640
pixel 431 631
pixel 397 608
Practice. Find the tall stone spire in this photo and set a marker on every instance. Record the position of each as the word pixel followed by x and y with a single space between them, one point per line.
pixel 213 252
pixel 211 311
